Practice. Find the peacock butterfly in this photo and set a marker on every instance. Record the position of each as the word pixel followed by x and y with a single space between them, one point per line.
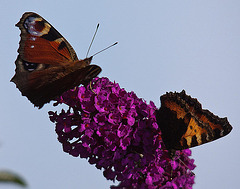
pixel 184 124
pixel 47 65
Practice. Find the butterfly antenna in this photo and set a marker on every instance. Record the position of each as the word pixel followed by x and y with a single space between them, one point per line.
pixel 105 49
pixel 90 86
pixel 171 176
pixel 92 40
pixel 180 161
pixel 186 166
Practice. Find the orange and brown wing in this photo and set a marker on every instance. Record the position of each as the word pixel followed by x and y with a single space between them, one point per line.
pixel 42 43
pixel 184 124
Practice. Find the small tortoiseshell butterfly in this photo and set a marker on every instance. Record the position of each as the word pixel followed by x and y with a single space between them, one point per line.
pixel 184 124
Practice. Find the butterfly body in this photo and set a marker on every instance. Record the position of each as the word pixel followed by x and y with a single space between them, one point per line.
pixel 47 65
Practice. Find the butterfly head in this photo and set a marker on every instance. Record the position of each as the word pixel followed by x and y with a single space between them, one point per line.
pixel 88 60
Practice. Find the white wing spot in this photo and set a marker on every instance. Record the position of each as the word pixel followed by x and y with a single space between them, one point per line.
pixel 33 38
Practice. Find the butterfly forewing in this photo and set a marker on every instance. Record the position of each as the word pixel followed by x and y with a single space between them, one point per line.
pixel 38 37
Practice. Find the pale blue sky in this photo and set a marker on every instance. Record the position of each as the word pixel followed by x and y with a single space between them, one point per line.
pixel 163 46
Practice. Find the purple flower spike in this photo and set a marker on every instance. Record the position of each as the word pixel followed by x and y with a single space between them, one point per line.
pixel 117 131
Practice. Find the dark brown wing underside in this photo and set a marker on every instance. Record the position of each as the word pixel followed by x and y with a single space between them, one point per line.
pixel 42 87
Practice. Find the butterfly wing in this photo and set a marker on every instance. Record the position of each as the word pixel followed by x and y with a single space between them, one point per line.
pixel 47 65
pixel 184 124
pixel 41 88
pixel 42 43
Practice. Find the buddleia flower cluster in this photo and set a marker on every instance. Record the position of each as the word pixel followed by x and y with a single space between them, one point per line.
pixel 117 132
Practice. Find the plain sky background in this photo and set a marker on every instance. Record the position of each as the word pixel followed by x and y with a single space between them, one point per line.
pixel 163 46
